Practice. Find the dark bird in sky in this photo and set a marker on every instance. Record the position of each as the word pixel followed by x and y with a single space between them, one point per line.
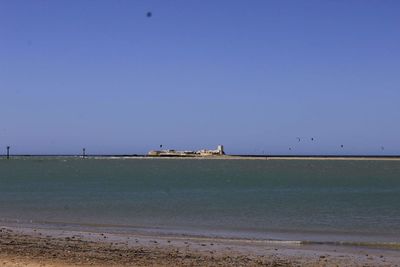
pixel 149 14
pixel 312 138
pixel 298 139
pixel 341 146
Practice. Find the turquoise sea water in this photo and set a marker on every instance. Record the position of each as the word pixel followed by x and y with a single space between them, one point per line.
pixel 267 199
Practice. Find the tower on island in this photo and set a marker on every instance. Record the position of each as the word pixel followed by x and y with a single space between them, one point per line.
pixel 220 149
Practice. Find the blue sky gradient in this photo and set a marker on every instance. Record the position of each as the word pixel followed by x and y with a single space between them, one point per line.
pixel 252 75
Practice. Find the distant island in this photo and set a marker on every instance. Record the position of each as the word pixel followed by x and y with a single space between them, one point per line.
pixel 187 153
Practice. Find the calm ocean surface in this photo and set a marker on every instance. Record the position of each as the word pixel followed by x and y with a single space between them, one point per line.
pixel 268 199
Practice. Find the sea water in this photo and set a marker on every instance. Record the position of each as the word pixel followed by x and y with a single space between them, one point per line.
pixel 308 200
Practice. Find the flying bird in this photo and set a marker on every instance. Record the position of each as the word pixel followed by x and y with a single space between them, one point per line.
pixel 149 14
pixel 298 139
pixel 312 138
pixel 341 146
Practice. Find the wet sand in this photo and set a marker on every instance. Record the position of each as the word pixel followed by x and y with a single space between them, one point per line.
pixel 44 247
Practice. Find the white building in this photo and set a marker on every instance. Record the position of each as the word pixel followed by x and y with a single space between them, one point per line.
pixel 175 153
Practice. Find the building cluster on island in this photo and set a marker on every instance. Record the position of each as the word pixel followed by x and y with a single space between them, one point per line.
pixel 175 153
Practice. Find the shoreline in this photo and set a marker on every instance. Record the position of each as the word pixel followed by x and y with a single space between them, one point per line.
pixel 52 247
pixel 225 157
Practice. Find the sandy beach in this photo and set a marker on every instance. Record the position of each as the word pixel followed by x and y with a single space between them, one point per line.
pixel 43 247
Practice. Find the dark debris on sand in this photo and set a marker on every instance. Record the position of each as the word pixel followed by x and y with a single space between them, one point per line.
pixel 75 251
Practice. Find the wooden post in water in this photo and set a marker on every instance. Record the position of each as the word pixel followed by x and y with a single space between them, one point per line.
pixel 8 152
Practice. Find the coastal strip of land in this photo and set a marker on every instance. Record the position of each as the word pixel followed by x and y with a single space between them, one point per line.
pixel 43 247
pixel 313 158
pixel 221 157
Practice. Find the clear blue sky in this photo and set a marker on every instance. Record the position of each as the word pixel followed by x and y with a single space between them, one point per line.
pixel 252 75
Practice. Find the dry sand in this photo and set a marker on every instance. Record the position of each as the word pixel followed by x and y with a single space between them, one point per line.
pixel 40 247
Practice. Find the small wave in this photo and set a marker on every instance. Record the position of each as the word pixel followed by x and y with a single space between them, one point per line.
pixel 387 245
pixel 189 234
